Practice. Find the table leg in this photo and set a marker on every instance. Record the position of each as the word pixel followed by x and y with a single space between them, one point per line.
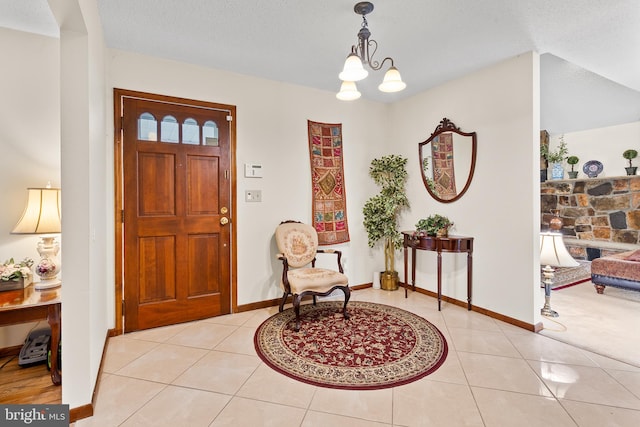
pixel 53 317
pixel 439 279
pixel 469 275
pixel 413 269
pixel 406 285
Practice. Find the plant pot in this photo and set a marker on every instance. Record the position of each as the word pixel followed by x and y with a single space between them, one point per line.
pixel 12 285
pixel 389 280
pixel 631 170
pixel 443 232
pixel 557 171
pixel 573 174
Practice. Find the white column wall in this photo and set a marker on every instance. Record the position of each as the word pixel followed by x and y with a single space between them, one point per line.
pixel 85 250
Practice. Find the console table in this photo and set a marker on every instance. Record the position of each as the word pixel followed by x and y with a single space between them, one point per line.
pixel 456 244
pixel 27 305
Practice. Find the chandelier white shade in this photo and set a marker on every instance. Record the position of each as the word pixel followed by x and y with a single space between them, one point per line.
pixel 353 70
pixel 360 56
pixel 348 92
pixel 392 81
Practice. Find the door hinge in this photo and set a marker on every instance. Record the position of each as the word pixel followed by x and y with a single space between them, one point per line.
pixel 123 308
pixel 229 118
pixel 226 174
pixel 121 123
pixel 122 216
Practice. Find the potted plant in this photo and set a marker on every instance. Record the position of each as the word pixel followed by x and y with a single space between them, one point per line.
pixel 381 212
pixel 434 225
pixel 573 160
pixel 630 155
pixel 556 158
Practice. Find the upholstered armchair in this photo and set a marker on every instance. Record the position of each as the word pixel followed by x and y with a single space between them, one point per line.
pixel 298 247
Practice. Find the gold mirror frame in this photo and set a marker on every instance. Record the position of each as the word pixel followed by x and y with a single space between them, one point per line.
pixel 440 175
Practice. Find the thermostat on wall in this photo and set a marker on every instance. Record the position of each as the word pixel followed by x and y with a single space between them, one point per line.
pixel 252 171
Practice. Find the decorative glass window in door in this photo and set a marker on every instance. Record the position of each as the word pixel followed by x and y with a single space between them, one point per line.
pixel 210 133
pixel 147 127
pixel 169 130
pixel 190 132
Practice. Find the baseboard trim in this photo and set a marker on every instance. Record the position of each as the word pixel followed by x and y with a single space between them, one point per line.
pixel 86 411
pixel 10 351
pixel 510 320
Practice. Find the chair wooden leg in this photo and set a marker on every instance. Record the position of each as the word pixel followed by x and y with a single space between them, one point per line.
pixel 284 299
pixel 296 309
pixel 347 295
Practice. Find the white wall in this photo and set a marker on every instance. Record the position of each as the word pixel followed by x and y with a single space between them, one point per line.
pixel 501 104
pixel 272 131
pixel 29 141
pixel 603 144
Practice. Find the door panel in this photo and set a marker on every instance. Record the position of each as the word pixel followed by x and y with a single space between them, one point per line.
pixel 176 162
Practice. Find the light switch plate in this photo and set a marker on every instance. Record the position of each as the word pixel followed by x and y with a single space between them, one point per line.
pixel 253 195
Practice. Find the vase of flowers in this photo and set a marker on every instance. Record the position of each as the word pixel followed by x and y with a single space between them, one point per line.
pixel 15 275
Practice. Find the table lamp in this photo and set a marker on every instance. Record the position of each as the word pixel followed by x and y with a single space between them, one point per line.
pixel 553 253
pixel 42 216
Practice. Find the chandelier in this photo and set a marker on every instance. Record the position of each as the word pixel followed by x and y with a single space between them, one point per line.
pixel 362 54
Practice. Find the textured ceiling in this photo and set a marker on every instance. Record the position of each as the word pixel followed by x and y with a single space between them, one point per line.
pixel 590 63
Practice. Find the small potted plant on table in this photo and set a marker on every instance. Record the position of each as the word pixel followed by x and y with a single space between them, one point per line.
pixel 573 160
pixel 630 155
pixel 434 225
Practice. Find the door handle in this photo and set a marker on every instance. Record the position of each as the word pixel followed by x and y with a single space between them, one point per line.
pixel 224 220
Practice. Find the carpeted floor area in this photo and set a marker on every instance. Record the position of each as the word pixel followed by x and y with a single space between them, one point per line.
pixel 605 324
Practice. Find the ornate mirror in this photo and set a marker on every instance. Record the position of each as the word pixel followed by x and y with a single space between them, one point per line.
pixel 447 161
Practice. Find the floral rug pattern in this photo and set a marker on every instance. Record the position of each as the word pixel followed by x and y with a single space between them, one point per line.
pixel 378 347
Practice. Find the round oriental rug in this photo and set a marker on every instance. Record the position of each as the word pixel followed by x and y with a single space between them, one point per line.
pixel 378 347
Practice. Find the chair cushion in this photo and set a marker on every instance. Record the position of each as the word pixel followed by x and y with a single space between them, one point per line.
pixel 315 279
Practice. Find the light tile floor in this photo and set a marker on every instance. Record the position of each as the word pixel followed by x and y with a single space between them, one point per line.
pixel 207 373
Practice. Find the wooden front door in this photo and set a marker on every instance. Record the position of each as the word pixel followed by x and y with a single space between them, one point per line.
pixel 176 212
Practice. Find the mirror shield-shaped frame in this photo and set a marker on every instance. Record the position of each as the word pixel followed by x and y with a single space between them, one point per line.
pixel 447 159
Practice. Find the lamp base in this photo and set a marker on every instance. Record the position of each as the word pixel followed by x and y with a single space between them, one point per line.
pixel 46 284
pixel 547 311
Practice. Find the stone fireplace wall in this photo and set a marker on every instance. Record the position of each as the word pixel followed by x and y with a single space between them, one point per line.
pixel 599 215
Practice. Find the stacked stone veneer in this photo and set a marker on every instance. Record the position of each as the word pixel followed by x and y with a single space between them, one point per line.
pixel 600 215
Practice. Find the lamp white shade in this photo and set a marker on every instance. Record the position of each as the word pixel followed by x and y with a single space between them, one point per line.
pixel 348 92
pixel 392 81
pixel 353 70
pixel 42 214
pixel 553 252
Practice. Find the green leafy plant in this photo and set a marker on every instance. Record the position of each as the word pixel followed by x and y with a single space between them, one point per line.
pixel 557 156
pixel 573 160
pixel 630 155
pixel 381 211
pixel 433 224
